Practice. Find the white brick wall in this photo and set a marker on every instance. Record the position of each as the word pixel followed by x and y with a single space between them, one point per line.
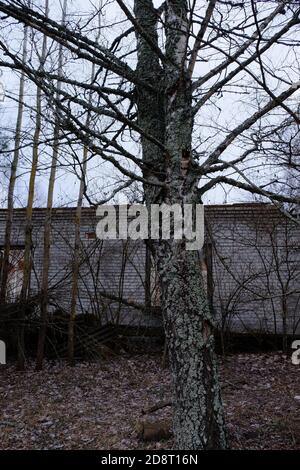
pixel 255 260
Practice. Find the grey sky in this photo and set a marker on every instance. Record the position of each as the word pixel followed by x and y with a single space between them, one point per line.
pixel 225 113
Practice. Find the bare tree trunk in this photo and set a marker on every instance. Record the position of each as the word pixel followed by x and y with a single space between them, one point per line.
pixel 29 211
pixel 198 413
pixel 76 256
pixel 48 218
pixel 198 417
pixel 76 261
pixel 13 177
pixel 30 201
pixel 284 324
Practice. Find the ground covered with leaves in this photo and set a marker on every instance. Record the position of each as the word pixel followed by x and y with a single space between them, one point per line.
pixel 98 405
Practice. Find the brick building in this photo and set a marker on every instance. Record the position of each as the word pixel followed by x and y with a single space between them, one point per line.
pixel 251 261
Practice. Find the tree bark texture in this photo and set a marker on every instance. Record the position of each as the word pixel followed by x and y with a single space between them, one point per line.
pixel 198 413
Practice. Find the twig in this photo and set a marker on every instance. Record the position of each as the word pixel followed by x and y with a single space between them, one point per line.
pixel 156 407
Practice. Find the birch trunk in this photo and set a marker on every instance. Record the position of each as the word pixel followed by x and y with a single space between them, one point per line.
pixel 198 414
pixel 48 218
pixel 13 177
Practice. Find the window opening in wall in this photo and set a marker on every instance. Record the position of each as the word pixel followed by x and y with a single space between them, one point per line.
pixel 15 272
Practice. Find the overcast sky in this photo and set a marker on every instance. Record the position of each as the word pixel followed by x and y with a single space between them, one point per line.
pixel 229 110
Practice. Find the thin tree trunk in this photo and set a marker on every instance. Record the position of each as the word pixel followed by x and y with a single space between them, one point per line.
pixel 48 218
pixel 76 261
pixel 13 177
pixel 284 323
pixel 76 256
pixel 29 211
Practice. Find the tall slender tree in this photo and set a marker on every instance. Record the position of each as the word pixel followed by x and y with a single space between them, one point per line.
pixel 76 252
pixel 48 218
pixel 13 176
pixel 29 209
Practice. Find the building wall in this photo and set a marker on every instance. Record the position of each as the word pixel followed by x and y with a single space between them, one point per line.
pixel 109 267
pixel 254 266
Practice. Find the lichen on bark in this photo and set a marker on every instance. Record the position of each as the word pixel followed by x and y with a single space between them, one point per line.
pixel 166 113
